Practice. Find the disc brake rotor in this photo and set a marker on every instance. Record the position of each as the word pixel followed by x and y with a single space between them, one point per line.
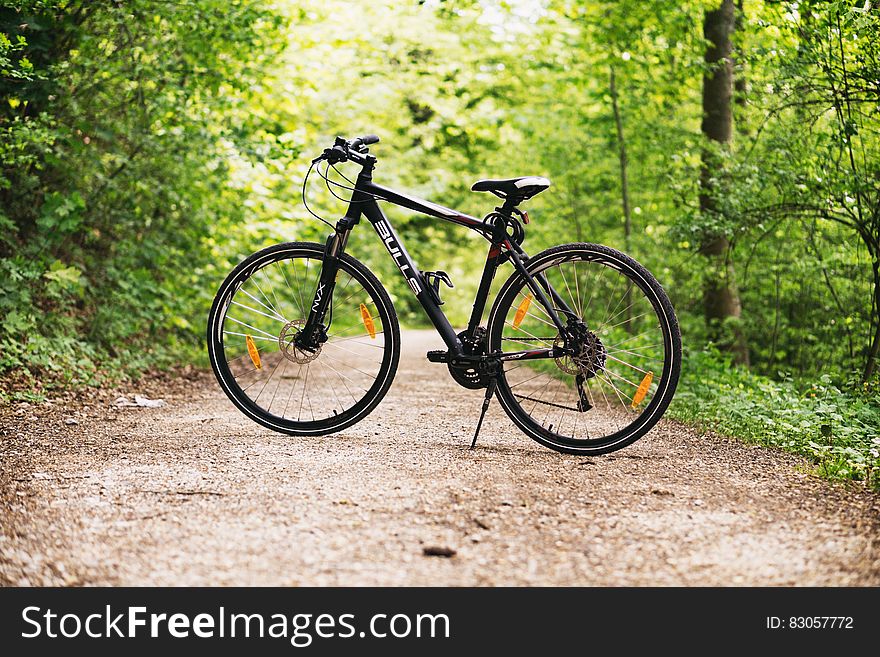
pixel 288 346
pixel 565 363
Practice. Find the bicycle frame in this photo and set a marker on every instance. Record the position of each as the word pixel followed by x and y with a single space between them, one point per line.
pixel 501 247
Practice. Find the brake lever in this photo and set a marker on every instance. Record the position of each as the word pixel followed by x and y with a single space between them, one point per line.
pixel 332 155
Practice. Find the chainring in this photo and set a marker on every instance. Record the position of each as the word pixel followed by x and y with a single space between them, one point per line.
pixel 470 376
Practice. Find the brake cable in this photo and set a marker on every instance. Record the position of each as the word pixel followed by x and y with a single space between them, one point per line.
pixel 305 202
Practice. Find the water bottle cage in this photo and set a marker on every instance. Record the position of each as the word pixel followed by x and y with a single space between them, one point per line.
pixel 433 279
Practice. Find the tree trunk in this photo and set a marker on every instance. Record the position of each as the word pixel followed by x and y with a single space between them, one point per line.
pixel 740 84
pixel 874 349
pixel 624 190
pixel 720 296
pixel 624 162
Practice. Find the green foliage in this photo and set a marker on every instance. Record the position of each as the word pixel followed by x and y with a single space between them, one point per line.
pixel 838 431
pixel 800 197
pixel 116 122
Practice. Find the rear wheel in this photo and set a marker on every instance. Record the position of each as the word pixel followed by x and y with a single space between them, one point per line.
pixel 618 385
pixel 253 324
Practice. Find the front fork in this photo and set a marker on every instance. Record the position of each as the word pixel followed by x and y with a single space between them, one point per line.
pixel 314 333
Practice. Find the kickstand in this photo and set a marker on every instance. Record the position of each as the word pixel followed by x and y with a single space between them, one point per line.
pixel 489 392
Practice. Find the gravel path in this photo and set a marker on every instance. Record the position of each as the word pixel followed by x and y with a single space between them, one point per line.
pixel 196 494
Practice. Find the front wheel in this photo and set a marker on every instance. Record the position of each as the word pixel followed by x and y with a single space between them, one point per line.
pixel 618 385
pixel 252 330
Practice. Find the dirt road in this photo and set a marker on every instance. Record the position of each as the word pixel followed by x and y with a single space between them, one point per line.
pixel 194 493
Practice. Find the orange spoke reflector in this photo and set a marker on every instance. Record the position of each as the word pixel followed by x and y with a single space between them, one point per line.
pixel 253 352
pixel 521 311
pixel 642 390
pixel 368 321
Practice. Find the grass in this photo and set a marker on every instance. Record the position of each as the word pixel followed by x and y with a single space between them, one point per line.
pixel 77 365
pixel 839 431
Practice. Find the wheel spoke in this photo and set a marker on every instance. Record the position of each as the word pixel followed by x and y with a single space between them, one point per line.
pixel 253 279
pixel 254 310
pixel 251 296
pixel 287 282
pixel 353 339
pixel 574 301
pixel 622 378
pixel 349 366
pixel 303 395
pixel 344 379
pixel 253 337
pixel 628 320
pixel 531 335
pixel 275 369
pixel 253 328
pixel 302 307
pixel 290 396
pixel 623 362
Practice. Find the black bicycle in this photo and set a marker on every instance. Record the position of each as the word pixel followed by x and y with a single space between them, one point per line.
pixel 581 344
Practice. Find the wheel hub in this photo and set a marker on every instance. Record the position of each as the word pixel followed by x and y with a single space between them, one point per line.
pixel 589 354
pixel 287 341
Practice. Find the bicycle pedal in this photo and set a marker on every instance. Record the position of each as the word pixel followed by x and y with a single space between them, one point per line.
pixel 438 356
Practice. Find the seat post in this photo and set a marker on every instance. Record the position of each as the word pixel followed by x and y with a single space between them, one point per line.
pixel 508 207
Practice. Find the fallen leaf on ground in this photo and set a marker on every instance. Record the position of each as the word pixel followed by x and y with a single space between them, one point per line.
pixel 140 401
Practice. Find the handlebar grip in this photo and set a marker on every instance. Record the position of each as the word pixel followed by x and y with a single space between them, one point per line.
pixel 366 140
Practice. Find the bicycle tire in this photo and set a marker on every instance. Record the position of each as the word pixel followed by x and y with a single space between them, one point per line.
pixel 639 277
pixel 387 321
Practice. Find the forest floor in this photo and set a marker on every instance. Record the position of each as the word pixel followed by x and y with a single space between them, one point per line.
pixel 196 494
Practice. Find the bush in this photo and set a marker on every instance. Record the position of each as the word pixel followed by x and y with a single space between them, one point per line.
pixel 838 430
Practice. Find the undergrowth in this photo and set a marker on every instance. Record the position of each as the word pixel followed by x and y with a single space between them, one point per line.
pixel 837 429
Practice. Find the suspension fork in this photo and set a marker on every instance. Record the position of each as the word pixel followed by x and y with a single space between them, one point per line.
pixel 314 333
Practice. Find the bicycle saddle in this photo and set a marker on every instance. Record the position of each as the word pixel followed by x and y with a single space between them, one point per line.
pixel 517 189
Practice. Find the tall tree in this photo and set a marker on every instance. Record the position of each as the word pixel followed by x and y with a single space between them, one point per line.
pixel 740 83
pixel 836 73
pixel 624 184
pixel 721 302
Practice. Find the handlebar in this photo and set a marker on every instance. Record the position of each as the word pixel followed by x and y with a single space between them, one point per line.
pixel 343 150
pixel 366 140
